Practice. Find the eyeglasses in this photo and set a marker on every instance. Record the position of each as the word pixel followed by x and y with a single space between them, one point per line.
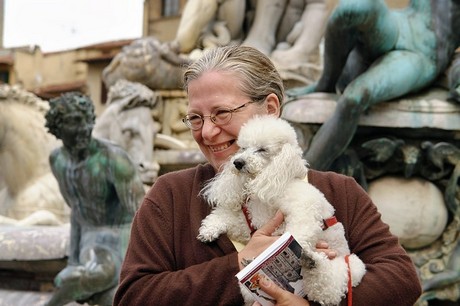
pixel 219 116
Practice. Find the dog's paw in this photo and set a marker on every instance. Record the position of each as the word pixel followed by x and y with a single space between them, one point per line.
pixel 206 235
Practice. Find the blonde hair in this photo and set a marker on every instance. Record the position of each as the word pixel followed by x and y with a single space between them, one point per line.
pixel 258 75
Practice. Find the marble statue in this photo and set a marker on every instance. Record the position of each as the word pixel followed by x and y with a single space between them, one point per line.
pixel 374 54
pixel 102 187
pixel 289 31
pixel 128 122
pixel 208 23
pixel 148 61
pixel 29 193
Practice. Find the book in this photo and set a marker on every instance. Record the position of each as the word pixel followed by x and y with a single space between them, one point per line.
pixel 281 262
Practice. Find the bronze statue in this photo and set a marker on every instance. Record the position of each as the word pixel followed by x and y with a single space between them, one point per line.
pixel 454 79
pixel 375 54
pixel 103 189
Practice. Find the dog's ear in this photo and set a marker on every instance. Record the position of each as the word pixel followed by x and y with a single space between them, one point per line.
pixel 224 190
pixel 283 167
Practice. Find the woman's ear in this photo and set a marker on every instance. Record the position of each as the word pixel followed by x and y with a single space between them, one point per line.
pixel 273 105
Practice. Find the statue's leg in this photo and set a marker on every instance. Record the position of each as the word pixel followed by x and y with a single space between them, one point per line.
pixel 313 24
pixel 335 134
pixel 78 283
pixel 291 17
pixel 196 16
pixel 454 79
pixel 352 24
pixel 262 34
pixel 233 13
pixel 396 74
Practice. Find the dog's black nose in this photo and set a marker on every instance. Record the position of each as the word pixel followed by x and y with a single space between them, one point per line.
pixel 239 163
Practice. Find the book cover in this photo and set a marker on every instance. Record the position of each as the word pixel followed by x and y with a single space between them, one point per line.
pixel 281 262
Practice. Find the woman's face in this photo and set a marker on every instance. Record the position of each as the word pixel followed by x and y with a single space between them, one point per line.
pixel 214 90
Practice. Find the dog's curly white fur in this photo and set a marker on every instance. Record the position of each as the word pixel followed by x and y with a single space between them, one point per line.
pixel 268 174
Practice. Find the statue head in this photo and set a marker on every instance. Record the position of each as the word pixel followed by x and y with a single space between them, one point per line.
pixel 71 118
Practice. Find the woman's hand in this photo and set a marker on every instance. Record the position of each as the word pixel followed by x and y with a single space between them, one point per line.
pixel 261 239
pixel 323 247
pixel 281 296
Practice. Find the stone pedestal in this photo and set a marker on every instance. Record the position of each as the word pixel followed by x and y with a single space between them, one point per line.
pixel 30 258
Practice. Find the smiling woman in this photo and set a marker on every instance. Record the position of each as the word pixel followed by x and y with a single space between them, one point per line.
pixel 56 25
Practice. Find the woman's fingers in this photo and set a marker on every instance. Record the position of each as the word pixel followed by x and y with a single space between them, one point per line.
pixel 323 247
pixel 282 297
pixel 261 239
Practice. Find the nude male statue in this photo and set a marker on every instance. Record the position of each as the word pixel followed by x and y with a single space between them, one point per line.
pixel 298 25
pixel 201 16
pixel 376 54
pixel 103 189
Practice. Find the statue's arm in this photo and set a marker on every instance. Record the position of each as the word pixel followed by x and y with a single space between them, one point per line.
pixel 75 235
pixel 58 166
pixel 127 183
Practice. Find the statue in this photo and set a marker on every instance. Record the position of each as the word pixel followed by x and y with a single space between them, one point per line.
pixel 209 23
pixel 147 61
pixel 103 189
pixel 29 193
pixel 454 79
pixel 292 30
pixel 289 31
pixel 128 122
pixel 441 276
pixel 375 54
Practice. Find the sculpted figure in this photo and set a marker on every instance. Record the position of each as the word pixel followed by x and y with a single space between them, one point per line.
pixel 209 23
pixel 450 275
pixel 301 45
pixel 128 122
pixel 103 189
pixel 298 25
pixel 375 54
pixel 262 32
pixel 29 193
pixel 454 79
pixel 147 61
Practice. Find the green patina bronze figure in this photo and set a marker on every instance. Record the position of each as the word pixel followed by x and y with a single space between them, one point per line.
pixel 374 54
pixel 103 189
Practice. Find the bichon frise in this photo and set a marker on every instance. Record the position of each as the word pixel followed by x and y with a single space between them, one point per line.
pixel 269 174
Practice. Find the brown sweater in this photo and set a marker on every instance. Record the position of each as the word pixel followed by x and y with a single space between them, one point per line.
pixel 166 265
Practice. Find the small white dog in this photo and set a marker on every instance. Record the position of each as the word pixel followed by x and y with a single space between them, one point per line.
pixel 268 174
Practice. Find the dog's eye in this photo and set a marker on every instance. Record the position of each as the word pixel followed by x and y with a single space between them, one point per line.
pixel 261 150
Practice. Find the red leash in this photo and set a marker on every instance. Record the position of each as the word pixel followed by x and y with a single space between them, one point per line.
pixel 350 294
pixel 326 224
pixel 329 222
pixel 244 208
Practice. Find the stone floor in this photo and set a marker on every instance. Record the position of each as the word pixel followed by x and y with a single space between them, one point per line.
pixel 26 298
